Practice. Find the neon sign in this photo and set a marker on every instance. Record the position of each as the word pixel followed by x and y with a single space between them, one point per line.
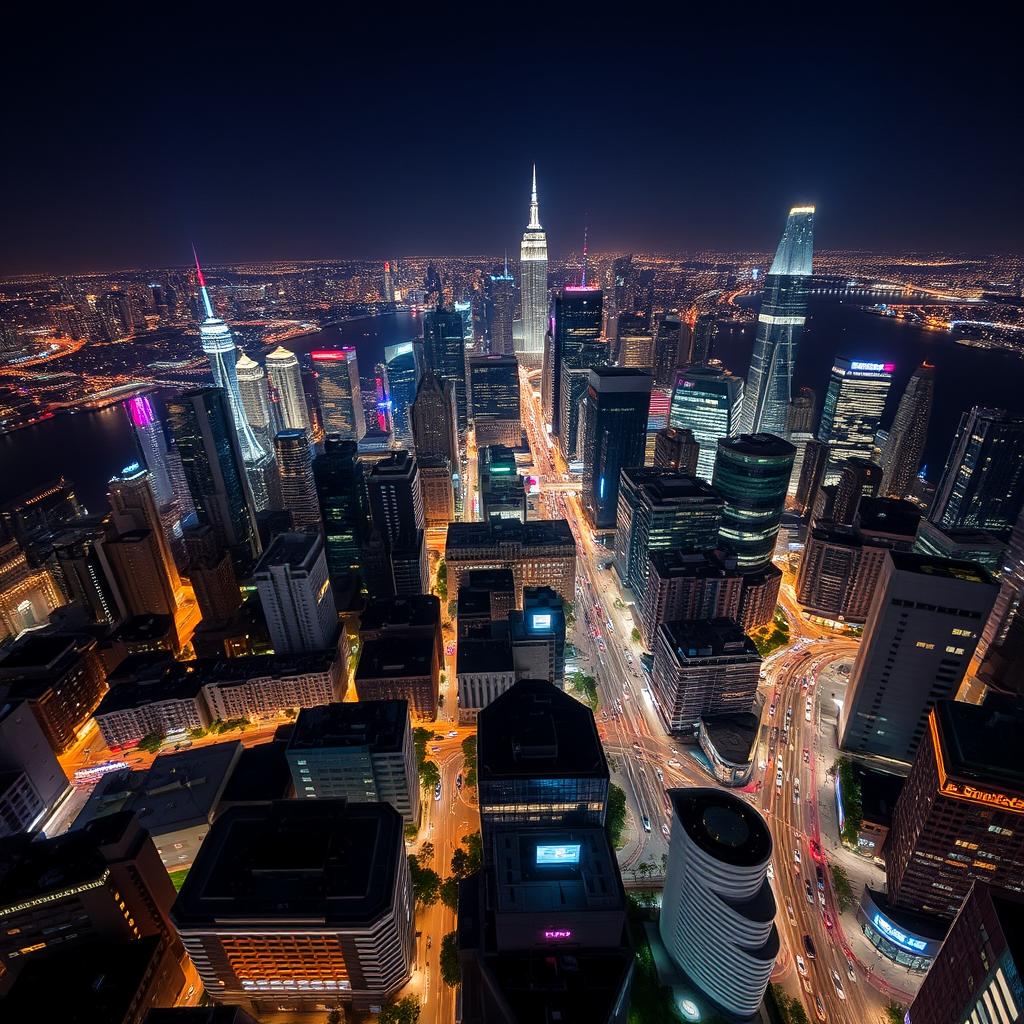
pixel 873 367
pixel 557 934
pixel 565 853
pixel 983 796
pixel 542 620
pixel 890 931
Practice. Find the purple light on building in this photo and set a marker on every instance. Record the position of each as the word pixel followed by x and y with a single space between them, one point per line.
pixel 141 411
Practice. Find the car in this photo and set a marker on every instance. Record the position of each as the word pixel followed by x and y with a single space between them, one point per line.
pixel 458 781
pixel 850 972
pixel 838 983
pixel 826 917
pixel 435 749
pixel 796 856
pixel 821 877
pixel 815 849
pixel 453 733
pixel 430 941
pixel 789 912
pixel 437 791
pixel 660 774
pixel 821 900
pixel 801 965
pixel 771 711
pixel 647 823
pixel 807 756
pixel 673 763
pixel 807 715
pixel 809 891
pixel 819 1009
pixel 809 948
pixel 778 778
pixel 664 831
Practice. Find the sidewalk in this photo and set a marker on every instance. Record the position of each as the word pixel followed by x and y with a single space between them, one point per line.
pixel 890 979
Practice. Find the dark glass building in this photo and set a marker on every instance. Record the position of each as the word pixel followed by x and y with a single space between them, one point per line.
pixel 207 440
pixel 577 327
pixel 618 401
pixel 752 476
pixel 341 493
pixel 403 379
pixel 444 348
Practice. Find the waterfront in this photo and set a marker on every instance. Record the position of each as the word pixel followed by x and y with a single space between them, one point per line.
pixel 89 447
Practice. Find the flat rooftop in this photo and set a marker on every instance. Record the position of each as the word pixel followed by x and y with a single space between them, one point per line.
pixel 174 680
pixel 676 564
pixel 540 870
pixel 288 549
pixel 316 861
pixel 38 653
pixel 536 730
pixel 381 725
pixel 179 790
pixel 722 825
pixel 414 610
pixel 732 735
pixel 386 659
pixel 485 653
pixel 535 533
pixel 979 742
pixel 712 638
pixel 490 580
pixel 941 568
pixel 660 485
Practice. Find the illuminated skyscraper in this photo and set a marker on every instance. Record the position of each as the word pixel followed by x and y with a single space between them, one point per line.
pixel 857 392
pixel 982 486
pixel 286 376
pixel 295 467
pixel 432 418
pixel 389 284
pixel 219 346
pixel 403 379
pixel 252 385
pixel 706 401
pixel 533 284
pixel 779 325
pixel 149 436
pixel 341 400
pixel 902 456
pixel 444 349
pixel 343 506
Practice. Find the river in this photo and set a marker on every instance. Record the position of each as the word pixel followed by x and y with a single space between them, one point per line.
pixel 89 447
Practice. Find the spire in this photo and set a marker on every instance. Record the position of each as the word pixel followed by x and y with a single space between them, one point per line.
pixel 202 286
pixel 534 224
pixel 506 261
pixel 583 283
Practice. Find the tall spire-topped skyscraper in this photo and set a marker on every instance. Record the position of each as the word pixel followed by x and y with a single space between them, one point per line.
pixel 533 284
pixel 219 346
pixel 779 324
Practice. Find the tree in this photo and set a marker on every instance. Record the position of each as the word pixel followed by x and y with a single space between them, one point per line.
pixel 336 1014
pixel 430 775
pixel 442 581
pixel 853 807
pixel 152 742
pixel 420 739
pixel 615 822
pixel 635 635
pixel 426 883
pixel 450 893
pixel 841 884
pixel 426 854
pixel 451 974
pixel 894 1013
pixel 405 1011
pixel 460 863
pixel 475 850
pixel 797 1013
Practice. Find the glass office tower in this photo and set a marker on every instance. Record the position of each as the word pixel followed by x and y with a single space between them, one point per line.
pixel 706 401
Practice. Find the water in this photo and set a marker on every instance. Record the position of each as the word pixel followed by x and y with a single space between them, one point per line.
pixel 88 448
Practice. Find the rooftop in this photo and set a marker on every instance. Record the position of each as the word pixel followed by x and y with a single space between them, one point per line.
pixel 386 659
pixel 732 735
pixel 941 568
pixel 888 516
pixel 979 742
pixel 179 790
pixel 490 579
pixel 713 638
pixel 260 773
pixel 381 725
pixel 491 653
pixel 534 729
pixel 660 485
pixel 412 610
pixel 38 654
pixel 296 550
pixel 167 681
pixel 321 861
pixel 143 628
pixel 668 564
pixel 536 533
pixel 760 446
pixel 722 825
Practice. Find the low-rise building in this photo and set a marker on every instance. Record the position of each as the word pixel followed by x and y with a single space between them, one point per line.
pixel 31 778
pixel 408 670
pixel 729 742
pixel 484 669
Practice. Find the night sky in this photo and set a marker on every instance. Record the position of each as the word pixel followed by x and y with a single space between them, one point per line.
pixel 288 132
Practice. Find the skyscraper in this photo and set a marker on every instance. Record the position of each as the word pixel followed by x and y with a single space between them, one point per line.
pixel 859 478
pixel 396 498
pixel 902 455
pixel 533 284
pixel 801 411
pixel 296 595
pixel 444 349
pixel 707 401
pixel 982 486
pixel 752 476
pixel 618 400
pixel 779 326
pixel 219 346
pixel 577 329
pixel 211 575
pixel 252 386
pixel 207 441
pixel 921 631
pixel 389 284
pixel 403 379
pixel 812 475
pixel 341 495
pixel 857 392
pixel 432 419
pixel 673 347
pixel 494 387
pixel 286 376
pixel 502 489
pixel 676 449
pixel 337 384
pixel 502 312
pixel 295 469
pixel 152 444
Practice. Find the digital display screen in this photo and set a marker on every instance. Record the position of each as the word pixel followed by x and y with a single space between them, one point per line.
pixel 566 853
pixel 542 621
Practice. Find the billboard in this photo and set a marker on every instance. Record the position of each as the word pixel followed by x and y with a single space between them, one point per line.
pixel 563 853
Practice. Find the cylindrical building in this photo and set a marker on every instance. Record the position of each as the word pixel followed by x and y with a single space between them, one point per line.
pixel 718 913
pixel 752 474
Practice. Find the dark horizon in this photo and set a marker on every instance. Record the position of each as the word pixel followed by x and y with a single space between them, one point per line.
pixel 135 138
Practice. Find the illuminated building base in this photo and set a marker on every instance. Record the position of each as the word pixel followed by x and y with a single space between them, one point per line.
pixel 906 938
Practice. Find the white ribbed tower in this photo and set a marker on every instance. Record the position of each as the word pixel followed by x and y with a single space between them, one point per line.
pixel 533 284
pixel 718 913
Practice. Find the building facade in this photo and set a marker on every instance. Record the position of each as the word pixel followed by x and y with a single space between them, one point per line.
pixel 707 401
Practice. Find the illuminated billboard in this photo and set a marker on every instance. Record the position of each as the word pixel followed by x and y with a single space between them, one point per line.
pixel 563 853
pixel 542 620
